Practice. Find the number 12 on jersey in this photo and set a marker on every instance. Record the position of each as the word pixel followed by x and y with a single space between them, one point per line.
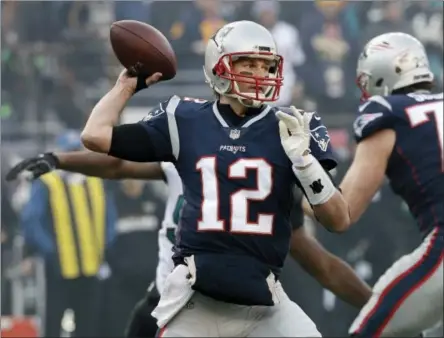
pixel 239 200
pixel 419 114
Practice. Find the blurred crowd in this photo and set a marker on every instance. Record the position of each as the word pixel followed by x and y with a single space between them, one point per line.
pixel 57 54
pixel 56 61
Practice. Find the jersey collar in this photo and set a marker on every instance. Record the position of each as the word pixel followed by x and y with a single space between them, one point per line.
pixel 222 111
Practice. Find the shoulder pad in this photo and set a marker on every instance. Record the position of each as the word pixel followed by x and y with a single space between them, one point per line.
pixel 376 101
pixel 366 125
pixel 318 130
pixel 194 100
pixel 163 107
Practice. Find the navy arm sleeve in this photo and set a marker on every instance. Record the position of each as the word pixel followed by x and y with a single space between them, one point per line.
pixel 375 115
pixel 320 146
pixel 150 140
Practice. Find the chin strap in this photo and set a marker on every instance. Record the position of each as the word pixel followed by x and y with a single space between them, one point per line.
pixel 255 103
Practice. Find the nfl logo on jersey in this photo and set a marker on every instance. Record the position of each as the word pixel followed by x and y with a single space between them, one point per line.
pixel 235 134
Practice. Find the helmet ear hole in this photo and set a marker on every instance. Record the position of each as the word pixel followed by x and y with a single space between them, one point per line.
pixel 379 82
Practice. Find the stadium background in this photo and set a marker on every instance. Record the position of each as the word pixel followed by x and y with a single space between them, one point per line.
pixel 56 63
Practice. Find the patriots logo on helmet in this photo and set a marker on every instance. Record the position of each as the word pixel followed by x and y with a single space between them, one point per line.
pixel 321 137
pixel 221 33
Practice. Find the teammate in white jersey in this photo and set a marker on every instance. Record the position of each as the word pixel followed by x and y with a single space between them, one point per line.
pixel 167 231
pixel 330 271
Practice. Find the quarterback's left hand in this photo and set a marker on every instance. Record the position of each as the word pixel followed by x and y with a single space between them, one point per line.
pixel 294 130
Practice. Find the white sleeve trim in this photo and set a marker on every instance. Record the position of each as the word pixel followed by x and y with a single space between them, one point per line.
pixel 172 125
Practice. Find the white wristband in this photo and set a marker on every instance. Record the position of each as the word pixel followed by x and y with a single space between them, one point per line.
pixel 317 184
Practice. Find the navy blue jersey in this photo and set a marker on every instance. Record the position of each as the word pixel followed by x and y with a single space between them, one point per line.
pixel 238 182
pixel 416 165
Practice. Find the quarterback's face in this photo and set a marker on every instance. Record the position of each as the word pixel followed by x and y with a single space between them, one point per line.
pixel 251 67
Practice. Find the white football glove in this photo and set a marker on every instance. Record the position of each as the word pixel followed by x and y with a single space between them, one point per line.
pixel 294 130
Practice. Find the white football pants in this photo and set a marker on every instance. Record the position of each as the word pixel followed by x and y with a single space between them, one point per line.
pixel 183 312
pixel 408 298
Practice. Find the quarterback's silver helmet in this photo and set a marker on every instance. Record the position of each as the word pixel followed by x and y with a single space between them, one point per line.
pixel 237 40
pixel 392 61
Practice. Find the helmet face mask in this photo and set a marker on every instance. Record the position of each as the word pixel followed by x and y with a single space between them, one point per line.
pixel 364 82
pixel 239 41
pixel 392 61
pixel 264 88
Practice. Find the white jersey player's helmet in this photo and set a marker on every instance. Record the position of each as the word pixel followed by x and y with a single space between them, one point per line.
pixel 242 39
pixel 392 61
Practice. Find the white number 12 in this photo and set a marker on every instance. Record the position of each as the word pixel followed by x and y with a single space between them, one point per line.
pixel 239 220
pixel 418 115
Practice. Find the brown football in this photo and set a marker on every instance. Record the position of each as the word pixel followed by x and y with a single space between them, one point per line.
pixel 143 49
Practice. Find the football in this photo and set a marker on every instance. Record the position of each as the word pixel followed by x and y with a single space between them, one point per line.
pixel 142 49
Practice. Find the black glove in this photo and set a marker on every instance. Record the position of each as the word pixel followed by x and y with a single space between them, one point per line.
pixel 141 323
pixel 141 83
pixel 36 166
pixel 135 71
